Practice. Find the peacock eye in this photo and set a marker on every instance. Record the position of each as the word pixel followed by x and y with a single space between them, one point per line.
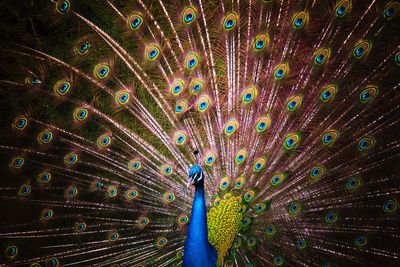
pixel 249 94
pixel 353 183
pixel 316 172
pixel 260 42
pixel 81 227
pixel 32 80
pixel 261 207
pixel 11 251
pixel 246 222
pixel 360 241
pixel 63 6
pixel 45 137
pixel 280 71
pixel 293 103
pixel 143 221
pixel 62 87
pixel 71 158
pixel 169 197
pixel 71 192
pixel 135 21
pixel 177 86
pixel 181 106
pixel 82 48
pixel 237 242
pixel 20 123
pixel 251 241
pixel 230 127
pixel 166 169
pixel 390 206
pixel 203 103
pixel 224 183
pixel 24 190
pixel 240 156
pixel 278 260
pixel 209 158
pixel 180 138
pixel 301 244
pixel 195 86
pixel 52 262
pixel 263 123
pixel 365 143
pixel 299 20
pixel 46 215
pixel 259 164
pixel 391 10
pixel 152 52
pixel 342 8
pixel 134 165
pixel 328 93
pixel 368 94
pixel 101 70
pixel 322 56
pixel 104 140
pixel 270 230
pixel 112 191
pixel 122 97
pixel 291 141
pixel 80 114
pixel 329 137
pixel 191 61
pixel 278 178
pixel 239 182
pixel 180 254
pixel 44 177
pixel 131 194
pixel 189 14
pixel 331 217
pixel 325 95
pixel 294 208
pixel 361 49
pixel 161 242
pixel 113 235
pixel 248 196
pixel 229 22
pixel 183 219
pixel 17 162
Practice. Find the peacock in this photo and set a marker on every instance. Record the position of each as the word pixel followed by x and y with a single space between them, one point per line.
pixel 200 133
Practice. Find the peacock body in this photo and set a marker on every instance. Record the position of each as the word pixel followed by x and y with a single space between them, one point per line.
pixel 293 107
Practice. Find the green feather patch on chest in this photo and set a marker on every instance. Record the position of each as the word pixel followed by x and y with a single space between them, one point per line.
pixel 224 221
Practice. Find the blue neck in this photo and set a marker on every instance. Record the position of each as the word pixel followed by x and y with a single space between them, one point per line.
pixel 198 252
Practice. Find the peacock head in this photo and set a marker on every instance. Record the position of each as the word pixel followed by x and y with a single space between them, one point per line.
pixel 195 176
